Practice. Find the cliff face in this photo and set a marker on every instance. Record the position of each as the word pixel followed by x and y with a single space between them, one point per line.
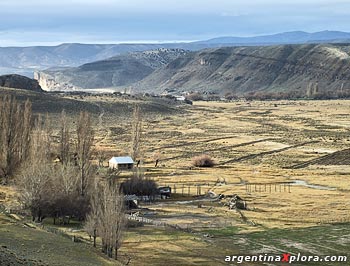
pixel 244 69
pixel 20 82
pixel 116 71
pixel 50 82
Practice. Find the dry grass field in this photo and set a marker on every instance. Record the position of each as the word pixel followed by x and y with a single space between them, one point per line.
pixel 276 155
pixel 252 142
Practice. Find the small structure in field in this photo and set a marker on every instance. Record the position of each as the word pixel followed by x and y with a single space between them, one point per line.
pixel 121 163
pixel 131 201
pixel 235 202
pixel 164 192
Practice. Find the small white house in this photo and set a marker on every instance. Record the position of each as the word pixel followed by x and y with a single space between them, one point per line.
pixel 121 163
pixel 180 98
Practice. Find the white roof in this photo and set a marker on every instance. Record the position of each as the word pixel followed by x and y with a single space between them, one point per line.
pixel 180 98
pixel 121 160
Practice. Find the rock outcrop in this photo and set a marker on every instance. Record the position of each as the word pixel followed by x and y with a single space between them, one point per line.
pixel 20 82
pixel 122 70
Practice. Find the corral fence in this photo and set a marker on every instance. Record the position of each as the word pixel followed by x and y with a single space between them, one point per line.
pixel 276 187
pixel 190 189
pixel 144 220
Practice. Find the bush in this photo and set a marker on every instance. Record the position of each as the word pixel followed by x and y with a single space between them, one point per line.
pixel 195 97
pixel 203 160
pixel 139 187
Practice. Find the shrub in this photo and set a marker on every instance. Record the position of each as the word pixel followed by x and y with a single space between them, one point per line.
pixel 139 187
pixel 203 160
pixel 195 97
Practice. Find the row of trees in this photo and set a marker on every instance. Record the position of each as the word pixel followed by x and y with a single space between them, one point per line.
pixel 15 129
pixel 106 218
pixel 65 189
pixel 57 190
pixel 312 92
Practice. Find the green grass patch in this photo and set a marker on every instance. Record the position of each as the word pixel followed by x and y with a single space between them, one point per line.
pixel 222 232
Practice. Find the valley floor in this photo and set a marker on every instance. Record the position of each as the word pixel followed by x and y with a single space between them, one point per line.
pixel 288 159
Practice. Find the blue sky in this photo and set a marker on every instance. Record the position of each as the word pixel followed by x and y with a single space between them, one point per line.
pixel 31 22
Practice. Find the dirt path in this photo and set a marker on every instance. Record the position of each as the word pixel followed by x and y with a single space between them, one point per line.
pixel 252 156
pixel 191 143
pixel 190 154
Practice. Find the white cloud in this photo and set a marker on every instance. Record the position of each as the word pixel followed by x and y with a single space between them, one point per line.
pixel 228 7
pixel 179 5
pixel 104 20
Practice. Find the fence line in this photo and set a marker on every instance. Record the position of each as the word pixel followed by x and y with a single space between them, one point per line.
pixel 189 189
pixel 145 220
pixel 277 187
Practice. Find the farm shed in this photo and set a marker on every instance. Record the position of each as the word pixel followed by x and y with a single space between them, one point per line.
pixel 121 163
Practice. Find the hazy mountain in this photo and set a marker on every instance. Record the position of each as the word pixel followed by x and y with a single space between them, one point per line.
pixel 295 37
pixel 24 60
pixel 244 69
pixel 121 70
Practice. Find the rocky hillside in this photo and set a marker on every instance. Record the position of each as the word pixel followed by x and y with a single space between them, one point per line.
pixel 117 71
pixel 25 60
pixel 221 70
pixel 19 82
pixel 244 69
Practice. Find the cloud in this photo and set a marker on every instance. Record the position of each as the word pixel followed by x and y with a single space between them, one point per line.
pixel 121 20
pixel 154 6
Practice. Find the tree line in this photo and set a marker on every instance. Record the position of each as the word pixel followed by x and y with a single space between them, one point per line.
pixel 67 188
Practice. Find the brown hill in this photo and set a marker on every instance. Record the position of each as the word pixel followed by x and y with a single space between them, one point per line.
pixel 19 82
pixel 121 70
pixel 245 69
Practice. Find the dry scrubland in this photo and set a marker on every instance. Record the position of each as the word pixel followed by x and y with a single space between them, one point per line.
pixel 251 142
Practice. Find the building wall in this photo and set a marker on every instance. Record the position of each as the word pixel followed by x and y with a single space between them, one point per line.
pixel 125 166
pixel 121 166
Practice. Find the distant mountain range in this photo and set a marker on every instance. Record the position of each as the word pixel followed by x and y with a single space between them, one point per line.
pixel 25 60
pixel 220 70
pixel 294 37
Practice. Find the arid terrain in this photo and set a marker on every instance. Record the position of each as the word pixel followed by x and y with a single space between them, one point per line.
pixel 289 160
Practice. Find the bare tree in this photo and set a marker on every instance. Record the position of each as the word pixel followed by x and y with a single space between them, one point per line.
pixel 112 219
pixel 40 144
pixel 15 127
pixel 85 138
pixel 34 186
pixel 26 130
pixel 64 139
pixel 93 218
pixel 35 181
pixel 106 218
pixel 67 178
pixel 49 189
pixel 136 133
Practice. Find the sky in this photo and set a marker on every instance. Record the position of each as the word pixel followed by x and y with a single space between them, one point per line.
pixel 51 22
